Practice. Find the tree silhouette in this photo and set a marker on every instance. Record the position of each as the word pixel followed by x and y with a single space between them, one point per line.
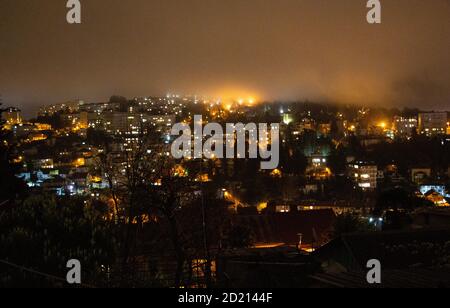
pixel 11 188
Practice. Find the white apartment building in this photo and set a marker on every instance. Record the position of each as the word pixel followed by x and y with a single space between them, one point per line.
pixel 364 175
pixel 433 123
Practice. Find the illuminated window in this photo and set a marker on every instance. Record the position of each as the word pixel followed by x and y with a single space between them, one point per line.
pixel 283 209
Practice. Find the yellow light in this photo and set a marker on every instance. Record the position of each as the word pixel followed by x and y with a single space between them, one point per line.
pixel 179 171
pixel 203 178
pixel 237 94
pixel 95 179
pixel 79 162
pixel 262 206
pixel 276 173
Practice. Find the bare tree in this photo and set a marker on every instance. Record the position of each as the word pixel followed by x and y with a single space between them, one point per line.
pixel 143 185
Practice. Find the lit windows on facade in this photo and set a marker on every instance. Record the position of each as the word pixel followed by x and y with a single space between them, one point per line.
pixel 364 175
pixel 46 163
pixel 433 123
pixel 282 208
pixel 12 116
pixel 405 126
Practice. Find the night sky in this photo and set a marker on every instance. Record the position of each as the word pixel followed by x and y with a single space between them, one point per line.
pixel 270 49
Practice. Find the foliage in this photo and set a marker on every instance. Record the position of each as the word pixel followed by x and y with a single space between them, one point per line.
pixel 424 253
pixel 400 198
pixel 55 120
pixel 10 186
pixel 97 137
pixel 350 223
pixel 44 233
pixel 239 236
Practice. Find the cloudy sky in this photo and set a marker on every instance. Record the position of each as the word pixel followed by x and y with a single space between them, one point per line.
pixel 271 49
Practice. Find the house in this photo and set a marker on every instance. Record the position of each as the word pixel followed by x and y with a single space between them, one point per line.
pixel 432 217
pixel 394 249
pixel 273 267
pixel 420 175
pixel 364 174
pixel 285 227
pixel 436 198
pixel 439 188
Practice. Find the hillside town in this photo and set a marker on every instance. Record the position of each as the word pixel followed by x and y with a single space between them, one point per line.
pixel 382 173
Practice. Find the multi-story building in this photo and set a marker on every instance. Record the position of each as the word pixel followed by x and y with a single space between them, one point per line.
pixel 12 116
pixel 75 120
pixel 45 163
pixel 70 107
pixel 433 123
pixel 119 122
pixel 126 123
pixel 163 123
pixel 364 174
pixel 405 126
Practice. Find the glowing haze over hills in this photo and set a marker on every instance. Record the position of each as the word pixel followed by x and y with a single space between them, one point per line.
pixel 269 50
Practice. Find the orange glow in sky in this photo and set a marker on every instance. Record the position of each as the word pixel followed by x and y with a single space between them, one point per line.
pixel 237 95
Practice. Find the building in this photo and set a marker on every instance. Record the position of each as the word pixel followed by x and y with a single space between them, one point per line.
pixel 265 267
pixel 371 140
pixel 420 175
pixel 433 123
pixel 45 163
pixel 439 188
pixel 405 126
pixel 122 123
pixel 350 252
pixel 69 107
pixel 12 116
pixel 364 174
pixel 22 130
pixel 284 223
pixel 432 217
pixel 409 259
pixel 436 198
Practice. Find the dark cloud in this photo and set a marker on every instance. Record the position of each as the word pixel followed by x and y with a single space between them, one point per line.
pixel 421 90
pixel 275 49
